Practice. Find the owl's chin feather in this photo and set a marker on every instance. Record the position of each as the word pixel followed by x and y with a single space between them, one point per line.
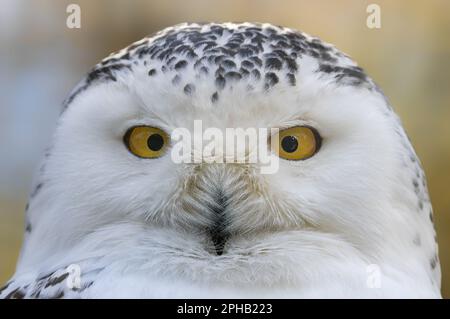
pixel 218 231
pixel 219 243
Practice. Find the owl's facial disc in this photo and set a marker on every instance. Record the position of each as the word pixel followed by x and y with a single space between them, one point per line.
pixel 219 198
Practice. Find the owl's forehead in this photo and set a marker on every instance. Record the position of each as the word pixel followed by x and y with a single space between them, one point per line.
pixel 211 59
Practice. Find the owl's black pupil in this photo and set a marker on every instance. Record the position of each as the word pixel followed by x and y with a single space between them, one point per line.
pixel 289 144
pixel 155 142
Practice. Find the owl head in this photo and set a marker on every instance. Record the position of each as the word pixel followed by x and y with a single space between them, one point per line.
pixel 346 167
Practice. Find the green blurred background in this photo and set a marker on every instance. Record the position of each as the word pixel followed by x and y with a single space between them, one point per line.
pixel 41 60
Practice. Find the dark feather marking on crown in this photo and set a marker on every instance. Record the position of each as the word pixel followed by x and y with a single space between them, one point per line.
pixel 235 52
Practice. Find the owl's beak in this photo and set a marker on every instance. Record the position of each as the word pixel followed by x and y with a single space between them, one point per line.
pixel 218 230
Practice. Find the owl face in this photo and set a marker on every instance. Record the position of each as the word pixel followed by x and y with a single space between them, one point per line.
pixel 111 161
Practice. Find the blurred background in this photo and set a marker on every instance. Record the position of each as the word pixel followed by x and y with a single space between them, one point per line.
pixel 41 60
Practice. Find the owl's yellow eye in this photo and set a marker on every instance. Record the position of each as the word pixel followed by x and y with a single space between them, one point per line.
pixel 146 141
pixel 297 143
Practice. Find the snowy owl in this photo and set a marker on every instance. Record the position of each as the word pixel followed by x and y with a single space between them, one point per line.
pixel 111 215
